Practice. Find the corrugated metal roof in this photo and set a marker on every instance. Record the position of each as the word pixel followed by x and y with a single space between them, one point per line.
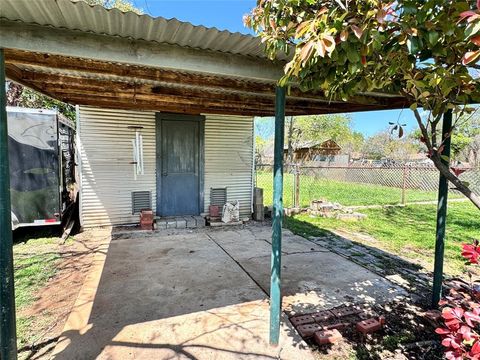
pixel 78 15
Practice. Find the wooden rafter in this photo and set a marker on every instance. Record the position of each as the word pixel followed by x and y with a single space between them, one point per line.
pixel 117 85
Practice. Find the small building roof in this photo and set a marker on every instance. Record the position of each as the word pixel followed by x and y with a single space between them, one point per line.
pixel 309 144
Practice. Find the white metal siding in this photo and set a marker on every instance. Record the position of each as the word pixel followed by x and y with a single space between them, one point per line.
pixel 229 157
pixel 106 152
pixel 107 172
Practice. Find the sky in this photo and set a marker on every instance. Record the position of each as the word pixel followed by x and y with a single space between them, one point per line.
pixel 227 15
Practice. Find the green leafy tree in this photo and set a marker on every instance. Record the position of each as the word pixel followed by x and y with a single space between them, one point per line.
pixel 419 49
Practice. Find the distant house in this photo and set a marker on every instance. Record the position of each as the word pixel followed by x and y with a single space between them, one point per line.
pixel 314 151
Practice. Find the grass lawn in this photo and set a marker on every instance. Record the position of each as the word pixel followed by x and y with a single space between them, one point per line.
pixel 345 193
pixel 35 263
pixel 407 231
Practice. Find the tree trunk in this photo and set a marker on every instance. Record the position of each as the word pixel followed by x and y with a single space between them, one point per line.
pixel 444 169
pixel 459 185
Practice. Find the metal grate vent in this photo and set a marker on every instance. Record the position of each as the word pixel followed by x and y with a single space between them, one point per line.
pixel 218 196
pixel 141 200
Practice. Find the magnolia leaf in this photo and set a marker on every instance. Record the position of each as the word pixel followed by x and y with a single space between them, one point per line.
pixel 302 29
pixel 400 132
pixel 413 45
pixel 353 55
pixel 357 31
pixel 473 28
pixel 381 14
pixel 466 14
pixel 329 43
pixel 414 106
pixel 306 51
pixel 466 183
pixel 344 35
pixel 476 40
pixel 433 37
pixel 320 47
pixel 470 56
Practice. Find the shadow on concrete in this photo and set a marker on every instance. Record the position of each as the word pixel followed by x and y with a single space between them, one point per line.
pixel 203 295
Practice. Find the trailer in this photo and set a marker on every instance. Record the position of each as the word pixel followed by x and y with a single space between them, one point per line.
pixel 43 186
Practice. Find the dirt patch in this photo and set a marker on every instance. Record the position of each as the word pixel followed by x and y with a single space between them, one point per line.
pixel 55 300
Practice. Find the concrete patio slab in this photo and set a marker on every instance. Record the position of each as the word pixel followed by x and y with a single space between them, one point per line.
pixel 203 295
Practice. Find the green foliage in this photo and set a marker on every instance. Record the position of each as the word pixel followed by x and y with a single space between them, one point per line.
pixel 349 47
pixel 31 99
pixel 346 48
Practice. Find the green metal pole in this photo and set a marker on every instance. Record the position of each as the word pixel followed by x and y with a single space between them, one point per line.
pixel 8 336
pixel 275 287
pixel 441 213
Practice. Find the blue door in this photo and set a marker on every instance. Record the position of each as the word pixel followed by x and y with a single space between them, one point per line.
pixel 179 165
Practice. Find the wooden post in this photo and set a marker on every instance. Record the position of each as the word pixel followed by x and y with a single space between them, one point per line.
pixel 441 212
pixel 297 185
pixel 404 185
pixel 8 336
pixel 275 287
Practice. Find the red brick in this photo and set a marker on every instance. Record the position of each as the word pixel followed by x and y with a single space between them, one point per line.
pixel 322 316
pixel 369 326
pixel 301 320
pixel 327 337
pixel 308 330
pixel 338 326
pixel 345 311
pixel 146 226
pixel 382 320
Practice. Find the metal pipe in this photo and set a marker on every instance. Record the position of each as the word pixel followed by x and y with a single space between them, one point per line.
pixel 441 212
pixel 275 286
pixel 8 335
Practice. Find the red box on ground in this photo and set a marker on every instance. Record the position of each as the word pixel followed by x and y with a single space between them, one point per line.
pixel 322 316
pixel 301 320
pixel 324 337
pixel 368 326
pixel 308 330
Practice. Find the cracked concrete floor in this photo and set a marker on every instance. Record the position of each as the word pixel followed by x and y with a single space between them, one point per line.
pixel 204 295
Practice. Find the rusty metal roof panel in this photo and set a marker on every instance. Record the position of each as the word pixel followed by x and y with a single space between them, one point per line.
pixel 78 15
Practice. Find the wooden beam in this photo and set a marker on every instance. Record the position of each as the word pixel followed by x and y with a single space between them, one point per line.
pixel 64 85
pixel 44 39
pixel 44 62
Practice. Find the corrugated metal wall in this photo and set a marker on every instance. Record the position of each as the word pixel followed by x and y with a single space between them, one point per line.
pixel 229 158
pixel 107 175
pixel 107 172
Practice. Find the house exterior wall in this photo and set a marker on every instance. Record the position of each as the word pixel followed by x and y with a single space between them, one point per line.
pixel 229 159
pixel 107 175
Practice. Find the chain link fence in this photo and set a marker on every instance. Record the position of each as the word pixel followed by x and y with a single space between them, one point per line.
pixel 359 186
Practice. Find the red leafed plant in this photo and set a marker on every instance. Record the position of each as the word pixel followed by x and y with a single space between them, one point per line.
pixel 461 315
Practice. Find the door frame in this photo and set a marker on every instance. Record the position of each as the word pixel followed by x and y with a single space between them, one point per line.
pixel 159 118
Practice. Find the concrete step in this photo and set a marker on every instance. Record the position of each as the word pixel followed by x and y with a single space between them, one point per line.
pixel 179 222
